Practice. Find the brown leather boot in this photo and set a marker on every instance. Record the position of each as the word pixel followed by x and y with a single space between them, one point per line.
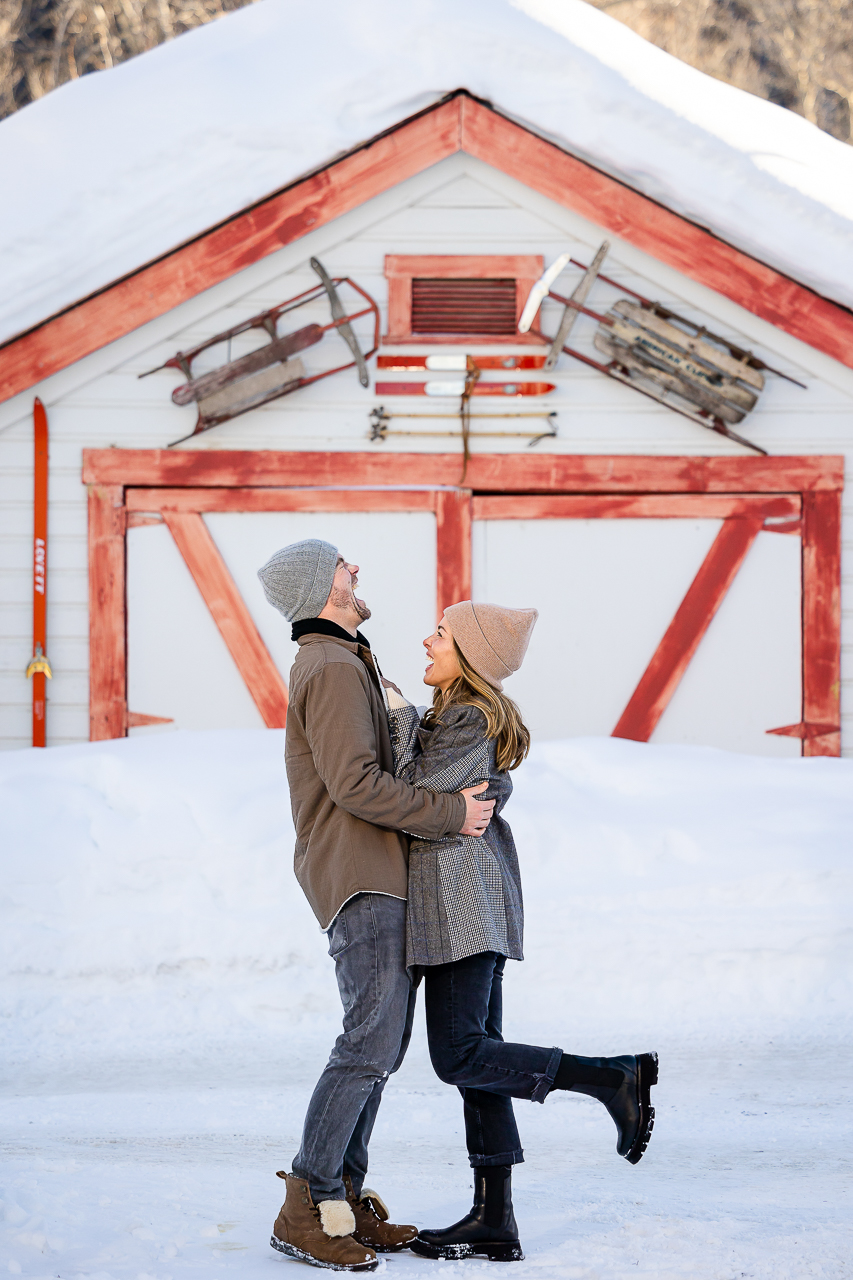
pixel 321 1234
pixel 371 1222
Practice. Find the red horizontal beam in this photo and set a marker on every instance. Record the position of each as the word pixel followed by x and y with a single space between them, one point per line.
pixel 464 266
pixel 645 506
pixel 507 473
pixel 198 499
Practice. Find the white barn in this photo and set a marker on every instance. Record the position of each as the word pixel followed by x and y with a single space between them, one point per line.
pixel 689 587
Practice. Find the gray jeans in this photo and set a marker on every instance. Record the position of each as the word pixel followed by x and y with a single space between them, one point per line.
pixel 367 942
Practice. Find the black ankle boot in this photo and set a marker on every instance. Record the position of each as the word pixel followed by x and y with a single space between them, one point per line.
pixel 488 1231
pixel 623 1085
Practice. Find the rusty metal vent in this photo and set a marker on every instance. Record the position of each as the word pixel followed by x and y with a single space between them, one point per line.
pixel 463 306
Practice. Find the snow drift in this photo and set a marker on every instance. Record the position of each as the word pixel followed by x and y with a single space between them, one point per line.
pixel 115 169
pixel 675 892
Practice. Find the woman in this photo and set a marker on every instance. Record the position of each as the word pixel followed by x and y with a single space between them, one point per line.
pixel 465 920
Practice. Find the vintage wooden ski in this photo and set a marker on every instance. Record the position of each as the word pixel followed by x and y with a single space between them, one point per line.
pixel 39 669
pixel 458 388
pixel 453 363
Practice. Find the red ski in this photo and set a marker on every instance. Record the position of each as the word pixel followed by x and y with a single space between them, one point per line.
pixel 457 387
pixel 39 668
pixel 457 363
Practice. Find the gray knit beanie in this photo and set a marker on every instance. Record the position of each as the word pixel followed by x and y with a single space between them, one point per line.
pixel 298 579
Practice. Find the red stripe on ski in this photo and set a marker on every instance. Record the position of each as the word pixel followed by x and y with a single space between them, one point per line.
pixel 514 389
pixel 401 364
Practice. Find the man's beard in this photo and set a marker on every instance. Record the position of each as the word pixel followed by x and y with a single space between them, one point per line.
pixel 343 599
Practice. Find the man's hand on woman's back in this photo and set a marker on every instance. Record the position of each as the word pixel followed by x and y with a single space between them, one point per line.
pixel 478 813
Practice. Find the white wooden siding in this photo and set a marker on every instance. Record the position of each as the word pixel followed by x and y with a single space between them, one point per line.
pixel 458 206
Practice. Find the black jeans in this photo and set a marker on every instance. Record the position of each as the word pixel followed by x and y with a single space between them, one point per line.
pixel 464 1012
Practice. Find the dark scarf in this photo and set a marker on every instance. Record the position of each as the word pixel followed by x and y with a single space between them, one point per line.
pixel 323 627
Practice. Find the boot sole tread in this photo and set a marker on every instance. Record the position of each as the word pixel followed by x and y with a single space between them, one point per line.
pixel 647 1076
pixel 493 1250
pixel 386 1248
pixel 291 1251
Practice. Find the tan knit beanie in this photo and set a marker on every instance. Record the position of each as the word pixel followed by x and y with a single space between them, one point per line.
pixel 493 639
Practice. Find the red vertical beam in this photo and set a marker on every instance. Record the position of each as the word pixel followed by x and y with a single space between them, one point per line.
pixel 235 623
pixel 453 546
pixel 39 668
pixel 822 618
pixel 683 635
pixel 107 636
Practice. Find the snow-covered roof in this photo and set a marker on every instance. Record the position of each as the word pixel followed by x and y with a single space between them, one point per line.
pixel 113 170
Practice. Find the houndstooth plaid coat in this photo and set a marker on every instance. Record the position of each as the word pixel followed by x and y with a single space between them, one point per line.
pixel 464 891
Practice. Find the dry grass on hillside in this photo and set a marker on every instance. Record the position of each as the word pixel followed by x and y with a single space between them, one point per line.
pixel 797 53
pixel 43 43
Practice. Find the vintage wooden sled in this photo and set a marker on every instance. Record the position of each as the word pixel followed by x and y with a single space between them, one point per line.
pixel 271 371
pixel 672 360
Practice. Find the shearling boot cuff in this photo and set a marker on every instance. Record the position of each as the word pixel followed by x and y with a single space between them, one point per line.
pixel 336 1218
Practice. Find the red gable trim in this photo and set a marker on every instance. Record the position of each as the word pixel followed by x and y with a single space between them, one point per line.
pixel 460 124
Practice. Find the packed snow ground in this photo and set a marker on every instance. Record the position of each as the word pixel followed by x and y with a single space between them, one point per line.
pixel 167 1005
pixel 114 169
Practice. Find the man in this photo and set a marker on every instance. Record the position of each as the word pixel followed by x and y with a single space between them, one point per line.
pixel 351 860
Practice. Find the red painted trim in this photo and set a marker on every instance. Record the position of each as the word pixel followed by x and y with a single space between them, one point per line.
pixel 460 124
pixel 452 547
pixel 220 594
pixel 156 500
pixel 401 268
pixel 657 231
pixel 806 729
pixel 692 619
pixel 501 473
pixel 464 266
pixel 107 644
pixel 136 720
pixel 646 506
pixel 822 619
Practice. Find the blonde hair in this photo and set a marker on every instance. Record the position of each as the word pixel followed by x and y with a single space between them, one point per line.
pixel 503 718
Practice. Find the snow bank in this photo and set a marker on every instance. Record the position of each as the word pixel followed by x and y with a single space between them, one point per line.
pixel 114 169
pixel 673 891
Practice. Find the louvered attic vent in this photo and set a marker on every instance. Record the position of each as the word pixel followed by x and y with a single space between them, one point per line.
pixel 456 297
pixel 463 306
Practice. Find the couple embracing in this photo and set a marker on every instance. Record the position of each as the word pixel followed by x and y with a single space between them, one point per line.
pixel 412 872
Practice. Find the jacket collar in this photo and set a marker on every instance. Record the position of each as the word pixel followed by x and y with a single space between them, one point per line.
pixel 324 627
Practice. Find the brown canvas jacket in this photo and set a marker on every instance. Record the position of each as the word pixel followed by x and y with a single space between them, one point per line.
pixel 349 810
